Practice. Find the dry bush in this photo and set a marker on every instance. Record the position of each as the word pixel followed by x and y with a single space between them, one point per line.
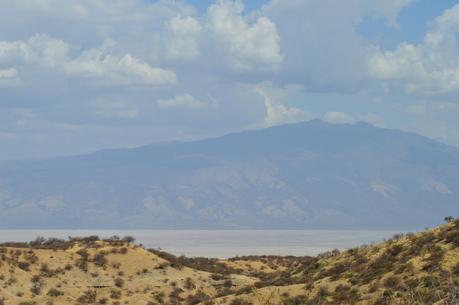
pixel 391 281
pixel 119 282
pixel 54 292
pixel 99 260
pixel 88 297
pixel 115 294
pixel 24 266
pixel 198 297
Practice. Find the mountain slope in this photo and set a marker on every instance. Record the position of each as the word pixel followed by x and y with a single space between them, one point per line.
pixel 306 175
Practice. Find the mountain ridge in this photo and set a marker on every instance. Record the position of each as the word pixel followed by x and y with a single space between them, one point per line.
pixel 302 175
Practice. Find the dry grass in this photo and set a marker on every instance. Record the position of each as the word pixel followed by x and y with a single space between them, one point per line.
pixel 415 269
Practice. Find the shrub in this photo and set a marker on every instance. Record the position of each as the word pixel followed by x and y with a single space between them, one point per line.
pixel 82 264
pixel 83 253
pixel 175 295
pixel 395 250
pixel 36 285
pixel 68 267
pixel 197 298
pixel 24 266
pixel 103 301
pixel 53 292
pixel 115 294
pixel 189 284
pixel 119 282
pixel 455 270
pixel 99 260
pixel 391 281
pixel 45 271
pixel 88 297
pixel 227 283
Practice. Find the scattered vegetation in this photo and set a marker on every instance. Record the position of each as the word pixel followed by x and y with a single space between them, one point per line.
pixel 411 269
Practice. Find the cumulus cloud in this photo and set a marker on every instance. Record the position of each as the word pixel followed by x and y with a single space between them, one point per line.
pixel 248 45
pixel 44 52
pixel 429 68
pixel 97 64
pixel 122 70
pixel 181 101
pixel 276 112
pixel 183 42
pixel 320 42
pixel 8 77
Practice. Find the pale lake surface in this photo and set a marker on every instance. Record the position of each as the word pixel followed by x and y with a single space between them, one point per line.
pixel 225 243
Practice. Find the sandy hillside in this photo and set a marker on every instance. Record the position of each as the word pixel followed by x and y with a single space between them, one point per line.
pixel 420 268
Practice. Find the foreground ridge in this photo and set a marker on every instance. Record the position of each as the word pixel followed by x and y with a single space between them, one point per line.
pixel 421 268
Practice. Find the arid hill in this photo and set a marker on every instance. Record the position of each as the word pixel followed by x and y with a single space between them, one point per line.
pixel 420 268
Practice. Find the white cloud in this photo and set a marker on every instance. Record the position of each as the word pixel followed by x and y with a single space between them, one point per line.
pixel 430 68
pixel 181 101
pixel 9 77
pixel 320 42
pixel 121 70
pixel 276 112
pixel 183 42
pixel 44 52
pixel 8 73
pixel 338 118
pixel 67 72
pixel 248 46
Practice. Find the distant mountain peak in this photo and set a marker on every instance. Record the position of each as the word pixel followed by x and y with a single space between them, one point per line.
pixel 302 175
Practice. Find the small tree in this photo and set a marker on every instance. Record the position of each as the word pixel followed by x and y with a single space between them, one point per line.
pixel 449 219
pixel 129 239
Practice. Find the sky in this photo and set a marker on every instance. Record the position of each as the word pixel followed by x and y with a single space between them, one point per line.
pixel 79 76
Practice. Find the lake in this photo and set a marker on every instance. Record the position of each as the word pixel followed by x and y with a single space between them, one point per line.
pixel 225 243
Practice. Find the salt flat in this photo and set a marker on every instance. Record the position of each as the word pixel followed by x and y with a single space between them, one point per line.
pixel 225 243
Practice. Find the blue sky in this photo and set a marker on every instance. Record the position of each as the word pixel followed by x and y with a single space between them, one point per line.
pixel 81 76
pixel 412 23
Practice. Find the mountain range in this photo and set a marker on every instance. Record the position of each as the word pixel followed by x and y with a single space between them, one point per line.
pixel 311 175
